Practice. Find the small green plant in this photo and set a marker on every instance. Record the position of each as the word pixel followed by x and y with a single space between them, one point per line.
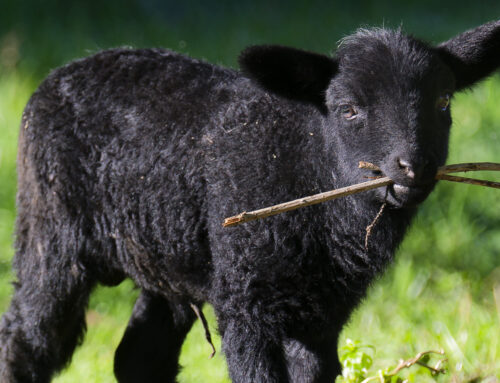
pixel 357 361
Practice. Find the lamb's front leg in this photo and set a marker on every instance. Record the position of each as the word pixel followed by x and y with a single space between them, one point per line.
pixel 312 361
pixel 253 356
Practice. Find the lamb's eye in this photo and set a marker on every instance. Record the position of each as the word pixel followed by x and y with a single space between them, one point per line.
pixel 443 102
pixel 348 112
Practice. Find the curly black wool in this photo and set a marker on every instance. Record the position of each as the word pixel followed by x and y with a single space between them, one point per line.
pixel 130 159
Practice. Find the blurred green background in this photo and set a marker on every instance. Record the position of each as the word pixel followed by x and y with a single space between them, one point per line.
pixel 444 289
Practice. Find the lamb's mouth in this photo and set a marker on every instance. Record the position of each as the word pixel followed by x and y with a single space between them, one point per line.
pixel 399 196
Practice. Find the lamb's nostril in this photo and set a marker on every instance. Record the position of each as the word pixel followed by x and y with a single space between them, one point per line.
pixel 407 168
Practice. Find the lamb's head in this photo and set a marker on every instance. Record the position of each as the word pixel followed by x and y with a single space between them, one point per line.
pixel 389 104
pixel 384 97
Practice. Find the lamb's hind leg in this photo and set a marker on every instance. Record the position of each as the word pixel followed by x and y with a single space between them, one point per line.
pixel 150 348
pixel 46 320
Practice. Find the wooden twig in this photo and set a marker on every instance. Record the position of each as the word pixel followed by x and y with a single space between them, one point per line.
pixel 471 181
pixel 199 313
pixel 369 166
pixel 443 171
pixel 442 174
pixel 407 364
pixel 306 201
pixel 370 227
pixel 455 168
pixel 468 167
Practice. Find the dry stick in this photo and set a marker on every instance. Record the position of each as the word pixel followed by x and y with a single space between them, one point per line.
pixel 370 227
pixel 410 362
pixel 471 181
pixel 368 185
pixel 468 167
pixel 442 172
pixel 306 201
pixel 199 313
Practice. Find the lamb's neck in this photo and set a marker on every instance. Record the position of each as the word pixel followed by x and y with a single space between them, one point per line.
pixel 357 253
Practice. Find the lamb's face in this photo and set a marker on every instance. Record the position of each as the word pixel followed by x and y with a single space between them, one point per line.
pixel 389 104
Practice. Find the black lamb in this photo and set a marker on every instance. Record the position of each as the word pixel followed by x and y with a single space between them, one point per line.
pixel 129 161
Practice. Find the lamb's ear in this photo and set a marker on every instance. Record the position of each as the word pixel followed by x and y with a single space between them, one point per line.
pixel 289 72
pixel 474 54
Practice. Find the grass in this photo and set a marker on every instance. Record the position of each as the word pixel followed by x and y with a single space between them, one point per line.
pixel 440 293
